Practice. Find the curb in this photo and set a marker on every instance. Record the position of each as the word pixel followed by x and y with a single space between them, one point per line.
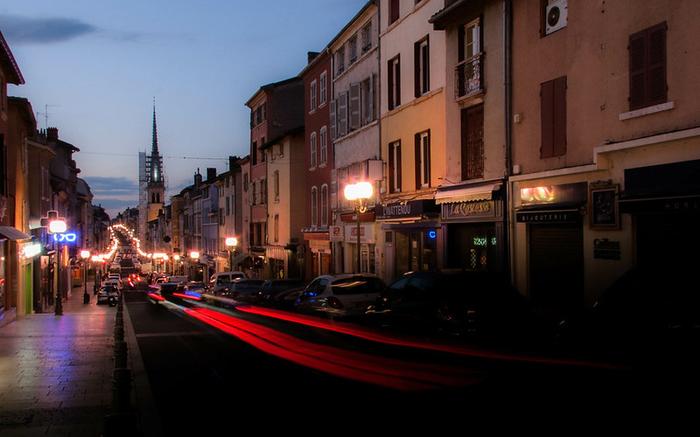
pixel 142 394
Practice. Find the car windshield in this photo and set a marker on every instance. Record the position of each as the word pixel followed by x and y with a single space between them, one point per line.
pixel 357 285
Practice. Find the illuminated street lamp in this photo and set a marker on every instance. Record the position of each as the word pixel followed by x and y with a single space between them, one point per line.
pixel 359 192
pixel 58 226
pixel 85 254
pixel 194 254
pixel 231 244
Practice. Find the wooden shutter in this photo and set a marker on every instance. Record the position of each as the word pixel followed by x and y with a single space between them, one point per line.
pixel 547 119
pixel 416 69
pixel 417 163
pixel 331 110
pixel 369 117
pixel 559 106
pixel 398 166
pixel 343 114
pixel 637 70
pixel 390 83
pixel 398 81
pixel 460 43
pixel 354 106
pixel 426 159
pixel 392 166
pixel 656 65
pixel 393 11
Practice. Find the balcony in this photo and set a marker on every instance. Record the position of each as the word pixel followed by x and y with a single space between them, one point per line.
pixel 468 77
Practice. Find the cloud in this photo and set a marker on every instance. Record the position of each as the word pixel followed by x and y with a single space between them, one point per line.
pixel 25 30
pixel 115 186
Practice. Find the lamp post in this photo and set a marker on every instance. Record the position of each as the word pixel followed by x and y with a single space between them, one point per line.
pixel 176 259
pixel 84 255
pixel 359 192
pixel 194 255
pixel 231 243
pixel 57 226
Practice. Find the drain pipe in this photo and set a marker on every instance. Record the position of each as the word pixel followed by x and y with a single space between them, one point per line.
pixel 508 118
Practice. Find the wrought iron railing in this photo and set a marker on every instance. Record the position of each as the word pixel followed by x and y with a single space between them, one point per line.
pixel 468 76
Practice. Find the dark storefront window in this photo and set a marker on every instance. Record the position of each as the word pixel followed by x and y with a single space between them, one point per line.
pixel 416 251
pixel 473 247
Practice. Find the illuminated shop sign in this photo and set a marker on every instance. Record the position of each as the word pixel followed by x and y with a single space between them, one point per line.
pixel 68 237
pixel 537 195
pixel 466 210
pixel 575 193
pixel 483 241
pixel 31 250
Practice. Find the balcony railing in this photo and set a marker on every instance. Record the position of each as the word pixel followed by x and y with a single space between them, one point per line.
pixel 468 77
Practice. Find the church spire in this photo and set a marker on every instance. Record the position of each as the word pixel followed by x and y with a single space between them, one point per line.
pixel 154 145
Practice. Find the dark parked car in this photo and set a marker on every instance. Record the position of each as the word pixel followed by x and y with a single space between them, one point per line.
pixel 472 304
pixel 242 289
pixel 273 287
pixel 645 310
pixel 167 288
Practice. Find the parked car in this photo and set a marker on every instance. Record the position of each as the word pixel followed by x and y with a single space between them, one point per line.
pixel 178 279
pixel 340 295
pixel 167 288
pixel 643 310
pixel 273 287
pixel 107 295
pixel 195 286
pixel 113 282
pixel 222 280
pixel 475 304
pixel 242 289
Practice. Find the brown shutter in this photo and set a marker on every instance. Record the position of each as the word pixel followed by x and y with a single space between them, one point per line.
pixel 393 11
pixel 460 43
pixel 426 64
pixel 398 80
pixel 416 69
pixel 398 163
pixel 332 116
pixel 427 160
pixel 392 167
pixel 354 106
pixel 547 119
pixel 390 82
pixel 656 65
pixel 559 134
pixel 637 70
pixel 417 161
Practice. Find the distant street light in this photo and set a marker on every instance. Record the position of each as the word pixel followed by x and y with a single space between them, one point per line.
pixel 85 254
pixel 231 243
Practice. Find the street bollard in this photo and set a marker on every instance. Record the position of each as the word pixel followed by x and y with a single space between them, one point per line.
pixel 120 354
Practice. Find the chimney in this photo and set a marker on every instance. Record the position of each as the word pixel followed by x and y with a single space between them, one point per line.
pixel 197 178
pixel 52 134
pixel 232 163
pixel 211 173
pixel 310 56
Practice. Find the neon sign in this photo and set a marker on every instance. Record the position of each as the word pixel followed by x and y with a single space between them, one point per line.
pixel 68 237
pixel 432 234
pixel 537 194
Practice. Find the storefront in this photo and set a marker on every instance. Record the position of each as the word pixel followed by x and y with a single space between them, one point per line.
pixel 13 301
pixel 344 236
pixel 472 221
pixel 412 236
pixel 319 254
pixel 553 216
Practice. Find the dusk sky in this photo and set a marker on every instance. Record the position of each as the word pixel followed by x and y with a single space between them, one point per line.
pixel 98 66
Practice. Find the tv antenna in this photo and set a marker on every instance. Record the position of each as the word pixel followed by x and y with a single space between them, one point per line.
pixel 46 114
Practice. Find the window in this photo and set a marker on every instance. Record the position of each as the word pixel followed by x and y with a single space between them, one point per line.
pixel 553 117
pixel 262 152
pixel 228 206
pixel 276 182
pixel 342 116
pixel 277 227
pixel 647 67
pixel 312 148
pixel 422 160
pixel 421 66
pixel 393 11
pixel 314 206
pixel 367 37
pixel 333 118
pixel 352 49
pixel 324 145
pixel 312 96
pixel 394 82
pixel 322 89
pixel 254 152
pixel 395 167
pixel 245 182
pixel 255 193
pixel 263 191
pixel 233 204
pixel 340 61
pixel 324 205
pixel 472 130
pixel 354 106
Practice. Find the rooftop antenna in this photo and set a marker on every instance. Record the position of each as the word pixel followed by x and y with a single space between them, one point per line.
pixel 46 114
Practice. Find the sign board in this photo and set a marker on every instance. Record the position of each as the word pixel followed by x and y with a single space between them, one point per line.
pixel 336 233
pixel 366 234
pixel 467 210
pixel 403 210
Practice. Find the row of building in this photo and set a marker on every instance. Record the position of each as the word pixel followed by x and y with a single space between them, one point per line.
pixel 554 141
pixel 38 174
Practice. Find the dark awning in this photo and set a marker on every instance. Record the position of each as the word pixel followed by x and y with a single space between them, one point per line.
pixel 456 12
pixel 13 234
pixel 666 180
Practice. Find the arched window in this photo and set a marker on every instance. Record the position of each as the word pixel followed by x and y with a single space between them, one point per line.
pixel 324 205
pixel 314 206
pixel 312 140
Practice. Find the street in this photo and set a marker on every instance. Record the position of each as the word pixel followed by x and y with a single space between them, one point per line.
pixel 258 367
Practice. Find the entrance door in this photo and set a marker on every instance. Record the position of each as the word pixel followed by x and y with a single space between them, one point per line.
pixel 556 266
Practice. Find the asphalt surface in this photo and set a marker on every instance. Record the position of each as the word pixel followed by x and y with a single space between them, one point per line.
pixel 207 378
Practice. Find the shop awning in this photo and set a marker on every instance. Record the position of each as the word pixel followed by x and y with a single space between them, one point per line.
pixel 13 234
pixel 469 194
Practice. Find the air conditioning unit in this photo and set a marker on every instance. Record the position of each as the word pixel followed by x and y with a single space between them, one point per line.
pixel 556 16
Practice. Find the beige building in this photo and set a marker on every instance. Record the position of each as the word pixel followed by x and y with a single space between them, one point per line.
pixel 412 113
pixel 471 195
pixel 606 144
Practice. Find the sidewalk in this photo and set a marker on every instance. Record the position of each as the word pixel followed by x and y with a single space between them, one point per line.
pixel 56 371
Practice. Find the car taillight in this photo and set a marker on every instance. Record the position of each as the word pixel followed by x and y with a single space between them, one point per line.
pixel 333 302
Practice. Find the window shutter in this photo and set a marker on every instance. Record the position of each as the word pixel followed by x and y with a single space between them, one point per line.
pixel 343 115
pixel 559 112
pixel 370 115
pixel 354 106
pixel 399 166
pixel 416 69
pixel 417 161
pixel 426 65
pixel 393 11
pixel 460 43
pixel 637 72
pixel 390 83
pixel 656 65
pixel 392 166
pixel 547 119
pixel 427 161
pixel 398 81
pixel 331 110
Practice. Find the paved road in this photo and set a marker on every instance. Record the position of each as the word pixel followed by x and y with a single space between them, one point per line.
pixel 208 369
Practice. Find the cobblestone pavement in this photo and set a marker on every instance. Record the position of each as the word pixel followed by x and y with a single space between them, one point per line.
pixel 56 371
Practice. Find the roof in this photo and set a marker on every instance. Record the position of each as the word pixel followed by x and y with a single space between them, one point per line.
pixel 275 140
pixel 83 188
pixel 323 54
pixel 270 86
pixel 23 103
pixel 67 145
pixel 8 63
pixel 349 23
pixel 11 233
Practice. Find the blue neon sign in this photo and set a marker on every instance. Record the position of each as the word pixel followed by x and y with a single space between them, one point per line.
pixel 432 234
pixel 68 237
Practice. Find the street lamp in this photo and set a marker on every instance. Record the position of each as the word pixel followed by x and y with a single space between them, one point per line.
pixel 85 254
pixel 57 226
pixel 231 243
pixel 359 192
pixel 176 258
